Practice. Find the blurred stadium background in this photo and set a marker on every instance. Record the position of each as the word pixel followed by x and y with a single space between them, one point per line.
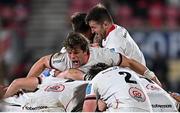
pixel 30 29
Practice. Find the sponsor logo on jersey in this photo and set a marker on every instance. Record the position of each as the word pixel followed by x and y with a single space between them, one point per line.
pixel 161 106
pixel 34 108
pixel 137 94
pixel 56 55
pixel 55 88
pixel 152 87
pixel 58 61
pixel 125 34
pixel 112 49
pixel 88 89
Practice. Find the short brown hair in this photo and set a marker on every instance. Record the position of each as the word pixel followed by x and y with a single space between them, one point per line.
pixel 99 13
pixel 76 40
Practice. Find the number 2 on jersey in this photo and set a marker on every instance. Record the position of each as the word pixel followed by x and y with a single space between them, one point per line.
pixel 127 77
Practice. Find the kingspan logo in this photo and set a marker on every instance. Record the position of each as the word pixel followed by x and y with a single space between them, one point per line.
pixel 161 106
pixel 35 108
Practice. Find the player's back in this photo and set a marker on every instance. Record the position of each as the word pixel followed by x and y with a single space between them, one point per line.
pixel 161 101
pixel 56 95
pixel 121 90
pixel 73 96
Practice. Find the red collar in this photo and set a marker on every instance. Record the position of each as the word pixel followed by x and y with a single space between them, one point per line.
pixel 111 28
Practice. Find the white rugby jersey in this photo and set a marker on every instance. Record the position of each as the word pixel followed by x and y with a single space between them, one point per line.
pixel 120 41
pixel 13 104
pixel 160 100
pixel 61 61
pixel 63 50
pixel 119 88
pixel 57 95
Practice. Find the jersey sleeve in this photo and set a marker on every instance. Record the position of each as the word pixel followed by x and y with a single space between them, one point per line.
pixel 90 93
pixel 63 50
pixel 111 57
pixel 121 41
pixel 59 61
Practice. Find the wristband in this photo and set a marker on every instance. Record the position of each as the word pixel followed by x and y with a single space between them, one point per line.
pixel 149 74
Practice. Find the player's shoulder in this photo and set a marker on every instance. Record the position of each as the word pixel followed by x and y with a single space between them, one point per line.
pixel 102 52
pixel 59 55
pixel 97 50
pixel 119 33
pixel 60 61
pixel 109 70
pixel 120 29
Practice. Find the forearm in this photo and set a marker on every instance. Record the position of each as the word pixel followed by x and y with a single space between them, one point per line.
pixel 134 65
pixel 14 87
pixel 140 69
pixel 29 84
pixel 11 90
pixel 36 70
pixel 39 66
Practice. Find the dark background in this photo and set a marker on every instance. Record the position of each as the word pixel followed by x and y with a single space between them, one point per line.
pixel 30 29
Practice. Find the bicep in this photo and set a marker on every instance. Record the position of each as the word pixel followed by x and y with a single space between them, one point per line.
pixel 46 61
pixel 39 66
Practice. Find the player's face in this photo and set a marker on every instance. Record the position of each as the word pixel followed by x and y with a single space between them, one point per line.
pixel 97 28
pixel 78 57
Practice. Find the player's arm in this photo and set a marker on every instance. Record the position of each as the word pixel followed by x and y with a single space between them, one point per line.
pixel 29 84
pixel 101 106
pixel 39 66
pixel 90 102
pixel 138 67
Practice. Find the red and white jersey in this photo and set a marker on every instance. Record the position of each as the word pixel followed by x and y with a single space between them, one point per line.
pixel 160 100
pixel 121 90
pixel 120 41
pixel 57 95
pixel 61 61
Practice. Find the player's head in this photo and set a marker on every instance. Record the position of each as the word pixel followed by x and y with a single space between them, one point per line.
pixel 95 69
pixel 99 19
pixel 77 47
pixel 78 22
pixel 79 25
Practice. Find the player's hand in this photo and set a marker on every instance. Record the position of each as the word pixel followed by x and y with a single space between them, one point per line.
pixel 155 79
pixel 101 106
pixel 176 96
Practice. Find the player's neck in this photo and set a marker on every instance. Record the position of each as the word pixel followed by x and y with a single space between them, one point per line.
pixel 110 28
